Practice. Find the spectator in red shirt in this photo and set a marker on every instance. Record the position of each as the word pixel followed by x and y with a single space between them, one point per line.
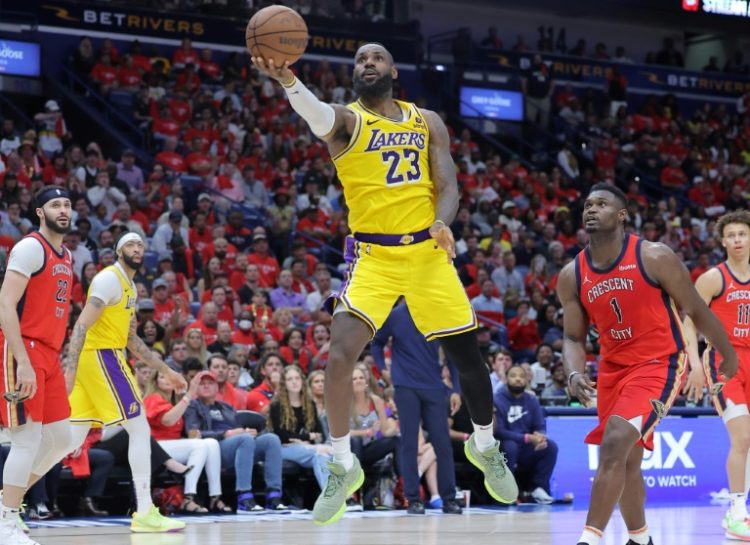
pixel 104 74
pixel 169 157
pixel 164 125
pixel 55 173
pixel 208 321
pixel 129 76
pixel 209 70
pixel 185 55
pixel 140 61
pixel 223 307
pixel 244 334
pixel 197 162
pixel 180 108
pixel 267 265
pixel 702 264
pixel 313 224
pixel 672 175
pixel 269 370
pixel 188 82
pixel 700 193
pixel 523 334
pixel 300 283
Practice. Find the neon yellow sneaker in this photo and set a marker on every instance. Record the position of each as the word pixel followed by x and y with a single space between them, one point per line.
pixel 331 504
pixel 154 522
pixel 22 525
pixel 498 480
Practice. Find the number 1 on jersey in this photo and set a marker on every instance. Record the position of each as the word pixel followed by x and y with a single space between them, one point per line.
pixel 743 313
pixel 616 308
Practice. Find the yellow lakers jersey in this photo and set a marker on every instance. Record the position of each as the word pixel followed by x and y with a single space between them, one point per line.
pixel 385 172
pixel 112 328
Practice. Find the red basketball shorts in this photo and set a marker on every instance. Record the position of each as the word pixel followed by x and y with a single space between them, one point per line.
pixel 50 403
pixel 729 394
pixel 641 393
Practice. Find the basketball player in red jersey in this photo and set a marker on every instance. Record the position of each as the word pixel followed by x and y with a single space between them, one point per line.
pixel 726 289
pixel 34 306
pixel 627 288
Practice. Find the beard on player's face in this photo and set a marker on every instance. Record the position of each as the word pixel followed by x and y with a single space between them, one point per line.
pixel 131 261
pixel 55 227
pixel 373 90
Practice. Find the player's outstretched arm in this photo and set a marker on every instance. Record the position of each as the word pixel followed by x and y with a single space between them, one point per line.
pixel 708 285
pixel 331 123
pixel 575 330
pixel 665 268
pixel 13 288
pixel 443 175
pixel 89 315
pixel 141 351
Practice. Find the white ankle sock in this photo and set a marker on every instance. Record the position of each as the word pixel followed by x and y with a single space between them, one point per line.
pixel 8 513
pixel 738 509
pixel 483 438
pixel 342 451
pixel 434 498
pixel 640 537
pixel 142 485
pixel 590 536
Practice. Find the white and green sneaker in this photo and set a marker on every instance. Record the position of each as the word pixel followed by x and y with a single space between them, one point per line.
pixel 498 479
pixel 331 504
pixel 734 528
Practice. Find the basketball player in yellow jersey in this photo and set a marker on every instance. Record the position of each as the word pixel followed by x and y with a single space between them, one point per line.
pixel 102 389
pixel 399 182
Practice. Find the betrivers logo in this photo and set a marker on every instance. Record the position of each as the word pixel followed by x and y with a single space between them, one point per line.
pixel 8 53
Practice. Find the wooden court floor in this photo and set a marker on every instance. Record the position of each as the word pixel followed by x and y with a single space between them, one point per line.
pixel 699 525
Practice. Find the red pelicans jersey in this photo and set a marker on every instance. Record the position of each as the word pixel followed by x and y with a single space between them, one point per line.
pixel 732 307
pixel 636 319
pixel 44 307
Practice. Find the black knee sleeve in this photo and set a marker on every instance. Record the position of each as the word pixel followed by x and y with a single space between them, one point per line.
pixel 462 351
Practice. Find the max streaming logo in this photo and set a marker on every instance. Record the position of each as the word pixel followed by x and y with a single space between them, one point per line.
pixel 691 5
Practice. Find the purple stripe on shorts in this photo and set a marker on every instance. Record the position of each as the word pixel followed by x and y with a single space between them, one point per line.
pixel 130 404
pixel 393 240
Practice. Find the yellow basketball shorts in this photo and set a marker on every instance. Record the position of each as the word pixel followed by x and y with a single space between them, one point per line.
pixel 105 391
pixel 421 272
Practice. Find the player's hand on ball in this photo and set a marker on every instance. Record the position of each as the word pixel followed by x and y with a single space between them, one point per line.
pixel 582 388
pixel 282 74
pixel 728 366
pixel 693 388
pixel 443 236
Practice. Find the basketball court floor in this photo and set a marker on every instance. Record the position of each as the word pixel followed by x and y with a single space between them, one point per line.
pixel 524 525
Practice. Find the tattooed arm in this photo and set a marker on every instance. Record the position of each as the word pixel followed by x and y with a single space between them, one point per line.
pixel 140 350
pixel 90 314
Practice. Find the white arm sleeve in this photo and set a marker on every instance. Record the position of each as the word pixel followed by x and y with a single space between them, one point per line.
pixel 26 257
pixel 106 287
pixel 319 115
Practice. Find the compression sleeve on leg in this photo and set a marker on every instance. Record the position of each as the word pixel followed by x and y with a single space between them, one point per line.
pixel 319 115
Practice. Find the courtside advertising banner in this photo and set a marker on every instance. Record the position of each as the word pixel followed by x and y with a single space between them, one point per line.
pixel 686 465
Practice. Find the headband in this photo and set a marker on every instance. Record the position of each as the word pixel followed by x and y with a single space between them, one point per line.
pixel 50 193
pixel 128 237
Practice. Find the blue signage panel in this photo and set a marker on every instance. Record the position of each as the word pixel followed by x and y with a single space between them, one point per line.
pixel 686 465
pixel 19 58
pixel 493 103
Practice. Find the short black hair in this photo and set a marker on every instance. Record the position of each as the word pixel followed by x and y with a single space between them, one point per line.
pixel 614 190
pixel 192 364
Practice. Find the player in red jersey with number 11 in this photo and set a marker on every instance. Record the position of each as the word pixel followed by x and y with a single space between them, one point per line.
pixel 34 307
pixel 726 289
pixel 627 288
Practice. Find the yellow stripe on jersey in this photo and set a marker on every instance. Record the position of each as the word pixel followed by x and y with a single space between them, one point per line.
pixel 385 172
pixel 112 328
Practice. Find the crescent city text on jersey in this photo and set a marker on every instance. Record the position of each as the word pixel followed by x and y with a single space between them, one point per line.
pixel 740 295
pixel 380 139
pixel 610 284
pixel 61 269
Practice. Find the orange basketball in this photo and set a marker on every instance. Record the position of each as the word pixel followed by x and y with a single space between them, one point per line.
pixel 278 33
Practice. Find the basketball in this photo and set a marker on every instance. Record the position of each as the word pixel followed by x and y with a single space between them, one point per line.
pixel 278 33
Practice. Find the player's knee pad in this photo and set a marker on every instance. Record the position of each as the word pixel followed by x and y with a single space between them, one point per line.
pixel 24 445
pixel 54 445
